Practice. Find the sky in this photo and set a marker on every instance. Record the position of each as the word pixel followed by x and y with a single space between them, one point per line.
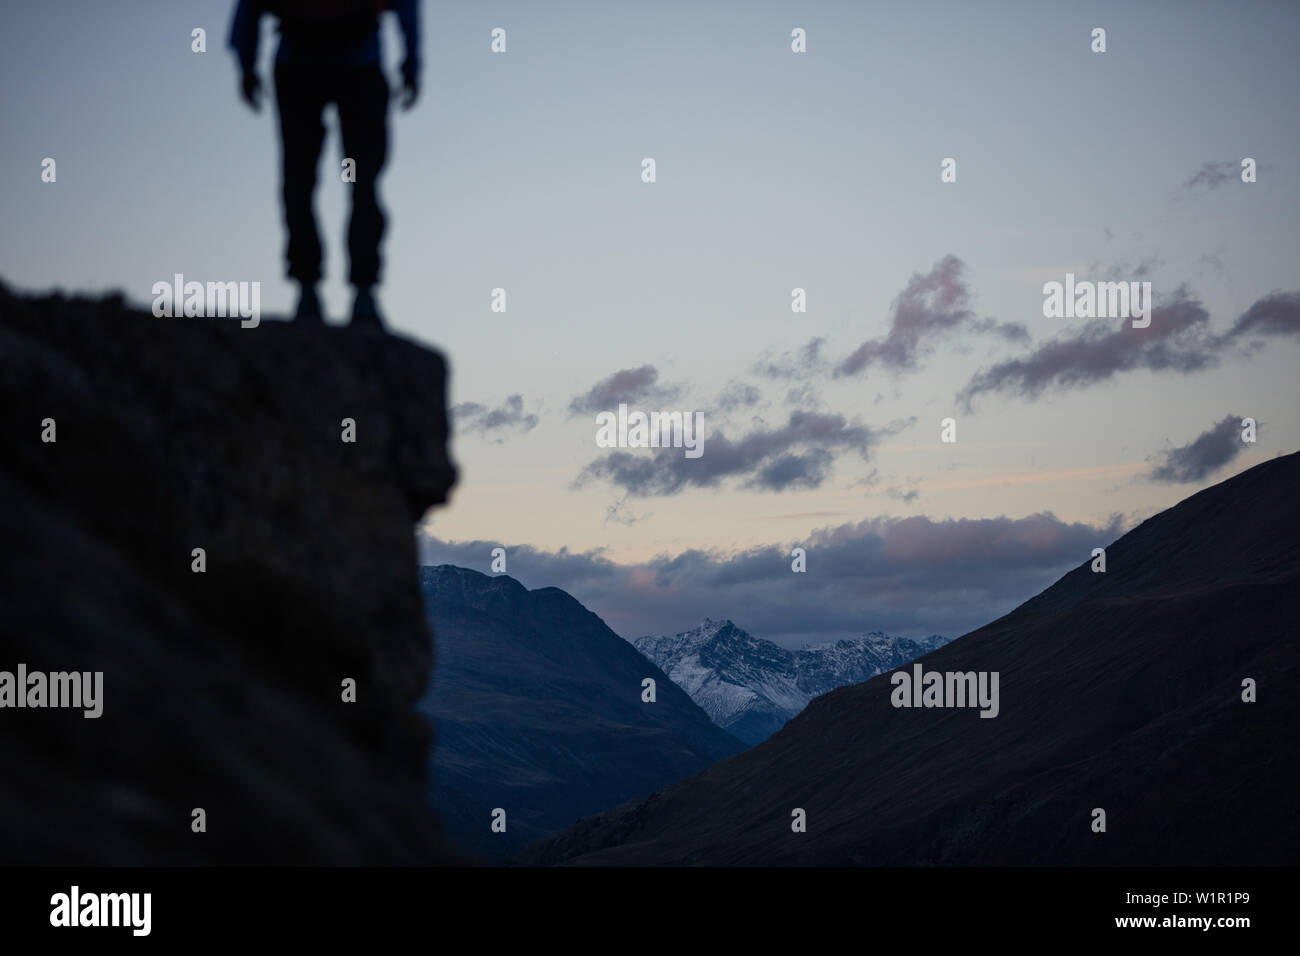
pixel 775 170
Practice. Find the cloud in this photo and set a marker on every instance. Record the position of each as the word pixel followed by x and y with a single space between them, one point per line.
pixel 630 385
pixel 868 481
pixel 801 364
pixel 930 306
pixel 1177 340
pixel 1211 450
pixel 1212 262
pixel 803 396
pixel 1212 175
pixel 1125 270
pixel 906 497
pixel 914 575
pixel 799 454
pixel 1014 332
pixel 508 416
pixel 1275 314
pixel 737 395
pixel 620 513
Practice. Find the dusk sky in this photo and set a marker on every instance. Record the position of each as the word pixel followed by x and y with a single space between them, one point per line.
pixel 775 170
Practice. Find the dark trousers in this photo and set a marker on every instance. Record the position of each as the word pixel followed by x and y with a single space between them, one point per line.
pixel 361 95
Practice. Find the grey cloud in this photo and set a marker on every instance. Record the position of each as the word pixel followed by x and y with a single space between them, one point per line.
pixel 737 395
pixel 1014 332
pixel 1211 450
pixel 1275 314
pixel 1213 262
pixel 802 363
pixel 1212 175
pixel 620 513
pixel 868 481
pixel 1177 340
pixel 1126 270
pixel 913 575
pixel 803 396
pixel 1142 270
pixel 799 454
pixel 907 497
pixel 793 470
pixel 630 385
pixel 929 306
pixel 508 416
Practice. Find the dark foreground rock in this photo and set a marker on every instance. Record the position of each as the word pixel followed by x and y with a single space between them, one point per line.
pixel 222 690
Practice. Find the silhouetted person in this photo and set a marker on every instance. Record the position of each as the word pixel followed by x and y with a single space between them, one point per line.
pixel 329 53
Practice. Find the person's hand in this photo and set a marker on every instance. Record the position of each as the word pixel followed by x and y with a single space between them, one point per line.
pixel 410 91
pixel 251 90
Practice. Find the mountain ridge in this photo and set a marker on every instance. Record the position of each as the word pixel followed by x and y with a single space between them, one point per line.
pixel 1120 691
pixel 538 710
pixel 750 686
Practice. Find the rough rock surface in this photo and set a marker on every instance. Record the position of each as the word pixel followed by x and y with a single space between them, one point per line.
pixel 222 689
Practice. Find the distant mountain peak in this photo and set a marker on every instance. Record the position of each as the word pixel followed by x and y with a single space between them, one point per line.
pixel 750 686
pixel 710 625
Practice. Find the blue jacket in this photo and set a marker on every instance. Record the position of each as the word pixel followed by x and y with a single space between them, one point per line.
pixel 245 27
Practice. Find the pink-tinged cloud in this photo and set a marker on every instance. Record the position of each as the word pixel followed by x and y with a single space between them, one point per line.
pixel 911 576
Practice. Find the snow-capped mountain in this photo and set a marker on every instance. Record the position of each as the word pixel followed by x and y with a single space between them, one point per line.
pixel 750 687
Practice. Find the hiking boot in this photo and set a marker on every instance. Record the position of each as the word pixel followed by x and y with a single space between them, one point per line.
pixel 365 311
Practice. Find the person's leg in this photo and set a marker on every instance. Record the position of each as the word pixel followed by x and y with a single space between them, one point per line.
pixel 300 99
pixel 362 97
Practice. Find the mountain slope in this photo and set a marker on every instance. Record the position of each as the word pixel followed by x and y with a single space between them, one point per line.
pixel 1120 691
pixel 538 711
pixel 750 687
